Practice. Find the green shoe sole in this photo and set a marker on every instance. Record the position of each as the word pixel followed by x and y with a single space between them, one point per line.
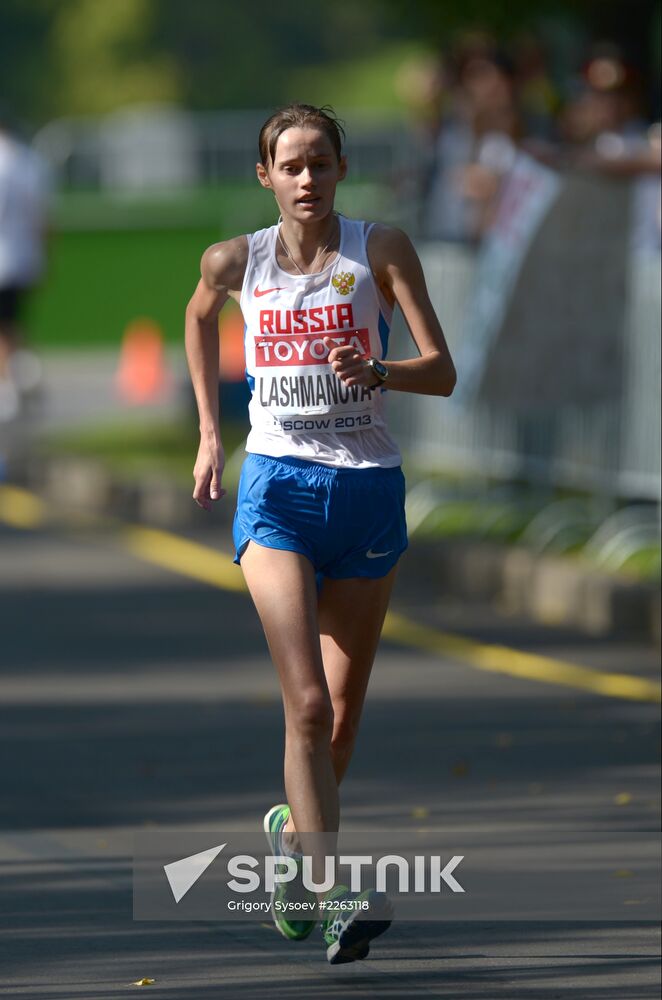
pixel 293 930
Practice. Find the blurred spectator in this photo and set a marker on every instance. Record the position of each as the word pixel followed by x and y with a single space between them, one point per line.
pixel 494 106
pixel 537 96
pixel 605 131
pixel 476 143
pixel 22 234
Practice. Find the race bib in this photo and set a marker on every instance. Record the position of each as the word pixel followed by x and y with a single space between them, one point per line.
pixel 297 387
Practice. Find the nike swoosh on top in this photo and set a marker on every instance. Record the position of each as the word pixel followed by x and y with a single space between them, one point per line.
pixel 257 292
pixel 377 555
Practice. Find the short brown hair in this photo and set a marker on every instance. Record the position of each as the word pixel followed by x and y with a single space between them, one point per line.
pixel 299 116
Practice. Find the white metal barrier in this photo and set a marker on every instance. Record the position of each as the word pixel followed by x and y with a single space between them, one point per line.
pixel 153 148
pixel 611 447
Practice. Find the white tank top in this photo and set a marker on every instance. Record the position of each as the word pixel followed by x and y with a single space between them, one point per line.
pixel 299 407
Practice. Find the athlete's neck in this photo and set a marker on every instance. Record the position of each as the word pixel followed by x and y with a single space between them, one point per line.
pixel 306 240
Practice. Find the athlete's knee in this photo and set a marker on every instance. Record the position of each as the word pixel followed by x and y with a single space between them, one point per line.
pixel 309 716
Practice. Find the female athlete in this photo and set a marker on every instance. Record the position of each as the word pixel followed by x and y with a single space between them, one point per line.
pixel 319 526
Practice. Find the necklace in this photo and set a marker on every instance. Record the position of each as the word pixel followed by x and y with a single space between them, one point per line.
pixel 320 253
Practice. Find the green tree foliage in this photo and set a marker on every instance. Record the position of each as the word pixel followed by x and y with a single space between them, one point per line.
pixel 245 54
pixel 60 57
pixel 90 56
pixel 26 71
pixel 105 56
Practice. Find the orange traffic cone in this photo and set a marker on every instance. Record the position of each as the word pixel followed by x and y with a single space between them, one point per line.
pixel 142 375
pixel 232 360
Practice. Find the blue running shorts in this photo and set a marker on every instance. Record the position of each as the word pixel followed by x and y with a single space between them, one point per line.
pixel 347 522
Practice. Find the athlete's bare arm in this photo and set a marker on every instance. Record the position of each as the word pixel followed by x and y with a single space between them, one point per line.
pixel 222 268
pixel 399 275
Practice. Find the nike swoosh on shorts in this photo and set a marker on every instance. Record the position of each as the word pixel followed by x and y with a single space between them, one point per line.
pixel 377 555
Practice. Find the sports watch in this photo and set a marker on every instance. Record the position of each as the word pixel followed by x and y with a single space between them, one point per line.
pixel 379 369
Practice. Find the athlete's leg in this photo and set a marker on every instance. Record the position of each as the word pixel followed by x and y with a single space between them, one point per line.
pixel 283 587
pixel 351 615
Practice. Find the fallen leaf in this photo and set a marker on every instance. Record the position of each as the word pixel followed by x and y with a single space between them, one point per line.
pixel 420 812
pixel 622 799
pixel 144 981
pixel 623 873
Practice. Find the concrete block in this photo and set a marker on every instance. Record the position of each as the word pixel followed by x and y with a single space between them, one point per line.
pixel 78 484
pixel 517 576
pixel 556 592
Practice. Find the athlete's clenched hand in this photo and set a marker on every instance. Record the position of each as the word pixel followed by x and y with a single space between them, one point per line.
pixel 349 365
pixel 207 472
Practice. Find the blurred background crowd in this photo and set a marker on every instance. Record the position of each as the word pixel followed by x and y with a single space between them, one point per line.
pixel 485 102
pixel 518 144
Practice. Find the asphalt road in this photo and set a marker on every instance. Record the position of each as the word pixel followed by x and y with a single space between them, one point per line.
pixel 134 697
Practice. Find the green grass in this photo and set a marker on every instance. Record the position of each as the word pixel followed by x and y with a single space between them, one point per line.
pixel 493 520
pixel 463 514
pixel 116 259
pixel 100 281
pixel 132 451
pixel 646 564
